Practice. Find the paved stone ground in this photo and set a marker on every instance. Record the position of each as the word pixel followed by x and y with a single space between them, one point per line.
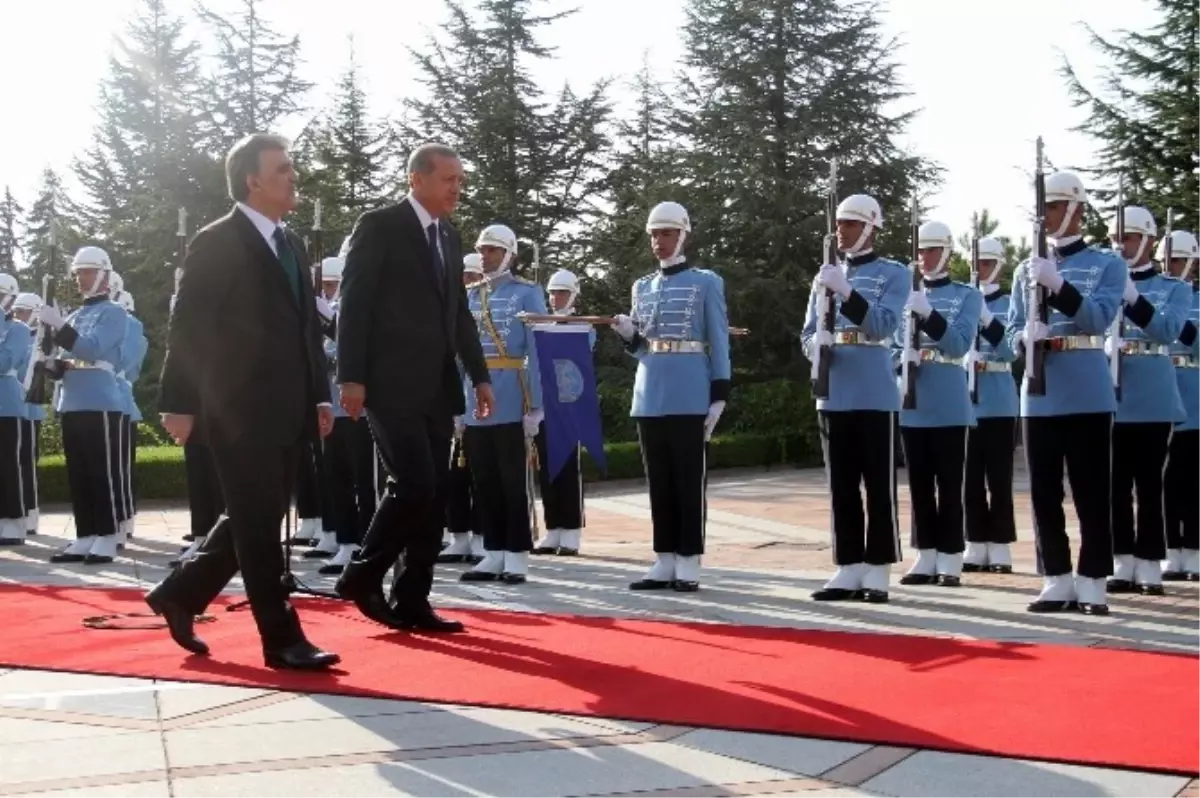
pixel 63 734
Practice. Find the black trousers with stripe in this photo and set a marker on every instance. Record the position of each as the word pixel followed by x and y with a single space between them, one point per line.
pixel 860 449
pixel 92 446
pixel 205 500
pixel 1139 454
pixel 1183 474
pixel 991 446
pixel 562 497
pixel 31 447
pixel 1083 443
pixel 128 464
pixel 308 481
pixel 12 488
pixel 459 502
pixel 499 484
pixel 675 458
pixel 936 461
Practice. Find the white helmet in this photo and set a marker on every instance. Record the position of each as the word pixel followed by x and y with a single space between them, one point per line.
pixel 860 208
pixel 991 248
pixel 91 258
pixel 564 280
pixel 125 300
pixel 932 235
pixel 472 263
pixel 331 269
pixel 1138 221
pixel 1065 187
pixel 27 301
pixel 498 235
pixel 9 286
pixel 1183 245
pixel 669 216
pixel 116 284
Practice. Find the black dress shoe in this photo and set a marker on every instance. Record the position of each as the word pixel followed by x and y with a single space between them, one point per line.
pixel 96 559
pixel 478 576
pixel 12 541
pixel 567 552
pixel 1052 606
pixel 836 594
pixel 999 569
pixel 1191 577
pixel 1151 590
pixel 189 537
pixel 1093 609
pixel 1121 586
pixel 685 586
pixel 63 557
pixel 651 584
pixel 331 570
pixel 874 596
pixel 545 550
pixel 317 554
pixel 1174 576
pixel 918 579
pixel 513 579
pixel 945 580
pixel 452 559
pixel 370 603
pixel 302 656
pixel 179 624
pixel 973 568
pixel 427 620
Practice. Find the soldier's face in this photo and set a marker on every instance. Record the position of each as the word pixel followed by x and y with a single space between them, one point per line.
pixel 492 257
pixel 1055 211
pixel 23 315
pixel 1128 247
pixel 439 190
pixel 470 278
pixel 930 259
pixel 990 270
pixel 87 279
pixel 848 232
pixel 330 288
pixel 1177 266
pixel 663 242
pixel 559 299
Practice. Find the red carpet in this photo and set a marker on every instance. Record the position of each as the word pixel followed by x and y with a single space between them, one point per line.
pixel 1084 705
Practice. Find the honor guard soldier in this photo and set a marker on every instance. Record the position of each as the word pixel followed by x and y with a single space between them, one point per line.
pixel 25 310
pixel 991 443
pixel 562 497
pixel 1155 309
pixel 1071 420
pixel 16 349
pixel 460 519
pixel 90 407
pixel 500 445
pixel 1183 464
pixel 935 431
pixel 133 356
pixel 678 330
pixel 312 493
pixel 858 416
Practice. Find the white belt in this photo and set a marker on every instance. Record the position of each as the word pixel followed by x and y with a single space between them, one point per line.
pixel 1184 362
pixel 102 365
pixel 1142 348
pixel 1068 342
pixel 856 338
pixel 935 356
pixel 663 345
pixel 9 373
pixel 989 366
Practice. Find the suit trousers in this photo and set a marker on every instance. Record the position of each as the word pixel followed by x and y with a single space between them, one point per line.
pixel 308 481
pixel 860 452
pixel 92 445
pixel 936 460
pixel 256 481
pixel 1183 474
pixel 415 450
pixel 1084 443
pixel 1139 453
pixel 675 458
pixel 205 502
pixel 991 446
pixel 562 497
pixel 500 486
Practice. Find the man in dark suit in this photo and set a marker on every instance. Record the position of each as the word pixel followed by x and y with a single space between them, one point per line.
pixel 245 373
pixel 402 322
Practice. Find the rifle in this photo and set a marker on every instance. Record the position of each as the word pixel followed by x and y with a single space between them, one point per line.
pixel 972 374
pixel 912 332
pixel 1168 249
pixel 826 304
pixel 316 251
pixel 181 248
pixel 37 376
pixel 1117 331
pixel 1038 311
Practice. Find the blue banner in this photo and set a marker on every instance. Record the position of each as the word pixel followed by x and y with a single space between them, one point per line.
pixel 569 399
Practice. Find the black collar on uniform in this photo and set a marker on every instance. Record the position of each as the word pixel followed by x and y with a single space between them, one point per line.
pixel 996 294
pixel 938 283
pixel 859 260
pixel 676 269
pixel 1071 249
pixel 1144 274
pixel 94 299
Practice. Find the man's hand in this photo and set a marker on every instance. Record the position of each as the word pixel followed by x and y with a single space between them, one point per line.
pixel 712 417
pixel 52 317
pixel 832 277
pixel 531 421
pixel 324 420
pixel 1130 295
pixel 353 397
pixel 985 318
pixel 484 400
pixel 324 308
pixel 623 326
pixel 919 303
pixel 178 426
pixel 1044 272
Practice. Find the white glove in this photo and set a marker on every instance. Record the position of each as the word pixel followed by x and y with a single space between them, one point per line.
pixel 532 420
pixel 714 415
pixel 912 355
pixel 919 303
pixel 1033 331
pixel 985 318
pixel 460 425
pixel 624 327
pixel 832 277
pixel 1108 345
pixel 1131 293
pixel 1044 272
pixel 50 315
pixel 324 308
pixel 972 358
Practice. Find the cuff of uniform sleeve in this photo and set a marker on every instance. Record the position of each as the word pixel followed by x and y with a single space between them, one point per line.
pixel 993 333
pixel 1140 312
pixel 1067 299
pixel 718 390
pixel 934 326
pixel 855 308
pixel 634 343
pixel 325 404
pixel 66 337
pixel 1188 336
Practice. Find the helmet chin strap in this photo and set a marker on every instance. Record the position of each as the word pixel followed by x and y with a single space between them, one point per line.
pixel 677 257
pixel 502 270
pixel 1187 269
pixel 1061 233
pixel 857 249
pixel 940 271
pixel 1137 256
pixel 95 290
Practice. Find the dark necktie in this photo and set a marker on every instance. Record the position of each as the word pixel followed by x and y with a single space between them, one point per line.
pixel 439 268
pixel 287 259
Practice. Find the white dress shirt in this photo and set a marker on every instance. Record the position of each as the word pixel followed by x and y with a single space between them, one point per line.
pixel 265 226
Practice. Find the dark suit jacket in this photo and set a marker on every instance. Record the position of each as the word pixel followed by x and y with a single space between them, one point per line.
pixel 399 332
pixel 242 355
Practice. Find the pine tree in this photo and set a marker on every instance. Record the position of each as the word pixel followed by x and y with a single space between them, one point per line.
pixel 534 164
pixel 1146 113
pixel 50 203
pixel 775 89
pixel 983 224
pixel 10 242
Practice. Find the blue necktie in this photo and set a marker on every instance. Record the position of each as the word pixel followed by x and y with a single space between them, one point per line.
pixel 439 268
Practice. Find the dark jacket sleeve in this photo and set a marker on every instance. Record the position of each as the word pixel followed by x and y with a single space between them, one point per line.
pixel 313 332
pixel 190 336
pixel 360 278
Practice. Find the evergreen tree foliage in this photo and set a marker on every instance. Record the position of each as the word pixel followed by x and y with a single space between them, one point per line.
pixel 11 213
